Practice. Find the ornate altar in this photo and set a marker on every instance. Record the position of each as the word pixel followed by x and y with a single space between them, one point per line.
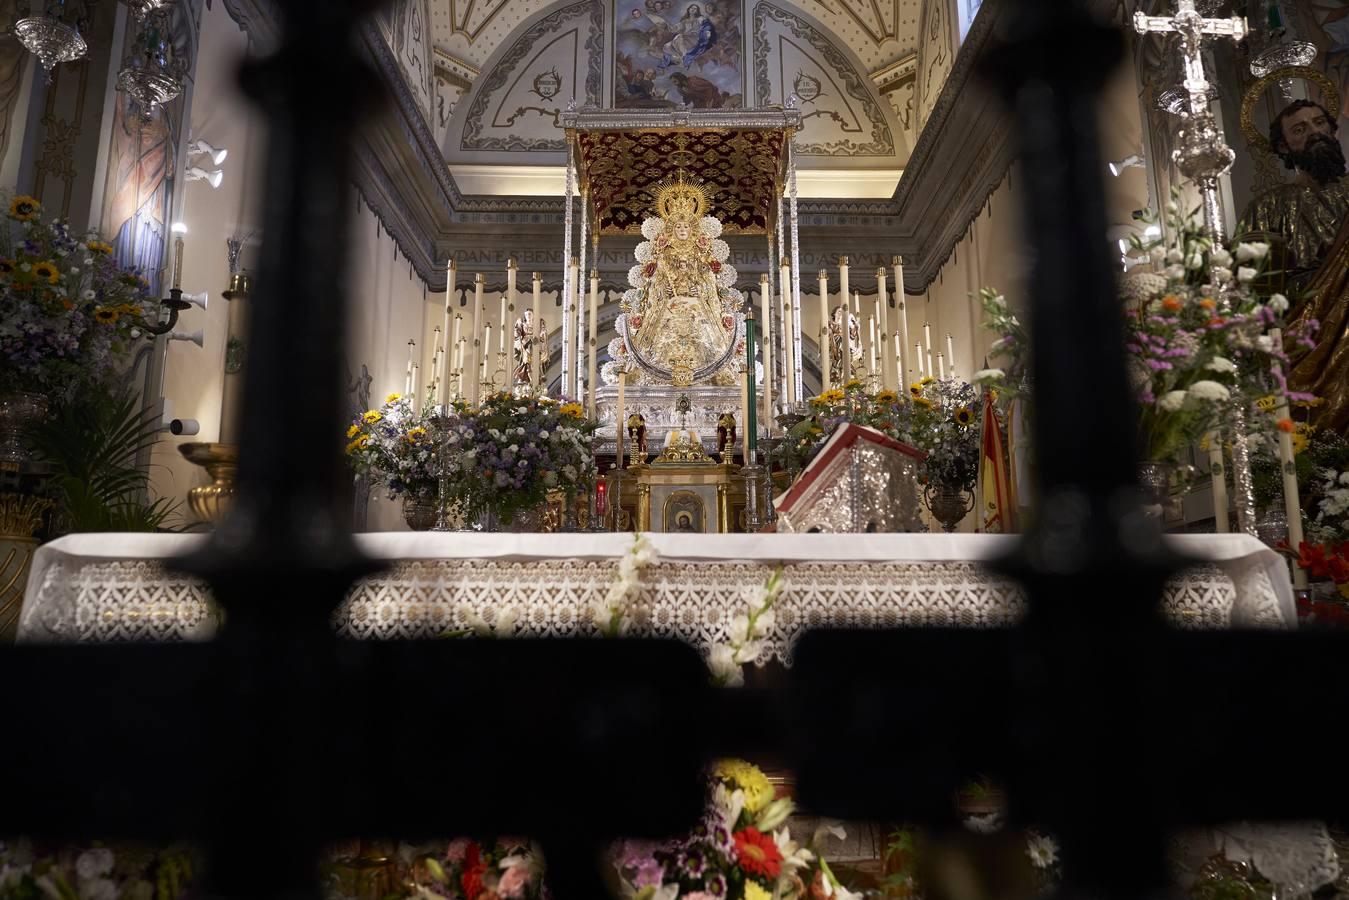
pixel 683 490
pixel 861 481
pixel 681 179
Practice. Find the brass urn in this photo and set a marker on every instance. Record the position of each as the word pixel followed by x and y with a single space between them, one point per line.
pixel 210 502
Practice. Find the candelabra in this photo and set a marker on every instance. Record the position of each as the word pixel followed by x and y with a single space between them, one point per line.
pixel 442 418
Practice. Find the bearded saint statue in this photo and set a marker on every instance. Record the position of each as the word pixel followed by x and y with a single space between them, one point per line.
pixel 680 324
pixel 1307 222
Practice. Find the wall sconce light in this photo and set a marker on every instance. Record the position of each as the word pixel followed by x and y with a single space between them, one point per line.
pixel 193 337
pixel 197 299
pixel 213 177
pixel 1128 162
pixel 198 147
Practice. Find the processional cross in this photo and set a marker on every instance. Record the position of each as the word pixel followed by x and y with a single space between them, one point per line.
pixel 1203 154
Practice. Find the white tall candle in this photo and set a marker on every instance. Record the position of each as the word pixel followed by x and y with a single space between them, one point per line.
pixel 844 295
pixel 486 374
pixel 407 379
pixel 1292 504
pixel 569 386
pixel 871 346
pixel 501 326
pixel 592 339
pixel 927 338
pixel 412 394
pixel 1219 477
pixel 620 422
pixel 941 368
pixel 918 355
pixel 536 334
pixel 442 373
pixel 898 361
pixel 436 381
pixel 766 342
pixel 474 349
pixel 825 348
pixel 951 353
pixel 883 330
pixel 508 326
pixel 902 310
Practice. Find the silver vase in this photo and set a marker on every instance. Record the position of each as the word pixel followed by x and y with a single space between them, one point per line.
pixel 947 503
pixel 1154 479
pixel 19 411
pixel 419 511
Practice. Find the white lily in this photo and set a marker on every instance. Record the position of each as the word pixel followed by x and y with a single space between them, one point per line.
pixel 1278 303
pixel 1245 274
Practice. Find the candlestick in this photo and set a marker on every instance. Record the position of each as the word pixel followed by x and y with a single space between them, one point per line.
pixel 407 380
pixel 1218 474
pixel 951 353
pixel 178 263
pixel 620 421
pixel 941 368
pixel 569 386
pixel 475 350
pixel 591 340
pixel 1292 503
pixel 485 375
pixel 765 307
pixel 844 295
pixel 536 334
pixel 501 323
pixel 436 381
pixel 899 361
pixel 867 338
pixel 918 355
pixel 412 394
pixel 443 372
pixel 927 338
pixel 930 370
pixel 789 360
pixel 750 440
pixel 825 348
pixel 902 310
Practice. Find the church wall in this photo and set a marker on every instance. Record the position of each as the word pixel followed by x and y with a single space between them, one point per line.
pixel 194 376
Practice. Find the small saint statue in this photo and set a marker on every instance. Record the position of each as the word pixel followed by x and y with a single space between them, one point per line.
pixel 637 431
pixel 726 433
pixel 526 336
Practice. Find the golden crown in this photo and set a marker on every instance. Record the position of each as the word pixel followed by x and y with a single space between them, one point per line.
pixel 680 199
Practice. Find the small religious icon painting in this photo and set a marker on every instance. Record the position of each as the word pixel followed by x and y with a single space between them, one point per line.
pixel 670 53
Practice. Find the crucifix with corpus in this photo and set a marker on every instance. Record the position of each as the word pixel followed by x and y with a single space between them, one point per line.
pixel 1203 154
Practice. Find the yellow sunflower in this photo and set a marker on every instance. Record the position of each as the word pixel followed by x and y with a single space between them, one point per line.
pixel 572 410
pixel 1266 403
pixel 25 209
pixel 922 402
pixel 887 397
pixel 98 248
pixel 105 315
pixel 372 416
pixel 916 389
pixel 47 271
pixel 1299 442
pixel 414 435
pixel 852 384
pixel 393 398
pixel 353 431
pixel 358 443
pixel 926 380
pixel 963 416
pixel 748 778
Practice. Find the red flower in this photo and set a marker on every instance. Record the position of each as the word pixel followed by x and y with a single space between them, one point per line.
pixel 475 867
pixel 715 267
pixel 635 321
pixel 757 854
pixel 649 269
pixel 1312 557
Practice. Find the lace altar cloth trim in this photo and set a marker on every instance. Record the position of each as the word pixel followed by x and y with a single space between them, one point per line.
pixel 692 601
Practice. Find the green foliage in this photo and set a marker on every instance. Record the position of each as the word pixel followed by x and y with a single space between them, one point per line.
pixel 92 444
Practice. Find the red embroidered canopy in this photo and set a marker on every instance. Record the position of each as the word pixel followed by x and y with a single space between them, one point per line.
pixel 742 168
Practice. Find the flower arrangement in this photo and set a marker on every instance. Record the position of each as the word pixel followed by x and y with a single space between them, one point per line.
pixel 939 417
pixel 70 310
pixel 747 631
pixel 393 446
pixel 506 455
pixel 1196 330
pixel 505 869
pixel 741 850
pixel 30 872
pixel 611 612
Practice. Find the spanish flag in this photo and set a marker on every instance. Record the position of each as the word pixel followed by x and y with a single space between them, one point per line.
pixel 995 491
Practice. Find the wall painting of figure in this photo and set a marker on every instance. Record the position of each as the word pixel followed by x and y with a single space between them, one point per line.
pixel 668 53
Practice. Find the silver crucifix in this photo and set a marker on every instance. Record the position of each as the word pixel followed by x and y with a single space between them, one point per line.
pixel 1202 154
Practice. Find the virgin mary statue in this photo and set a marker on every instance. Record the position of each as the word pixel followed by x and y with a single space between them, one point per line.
pixel 681 323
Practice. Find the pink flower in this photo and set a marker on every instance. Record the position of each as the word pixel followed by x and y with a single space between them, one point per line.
pixel 649 873
pixel 514 883
pixel 457 850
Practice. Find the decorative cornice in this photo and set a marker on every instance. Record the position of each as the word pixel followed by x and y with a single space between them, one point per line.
pixel 454 65
pixel 962 155
pixel 893 74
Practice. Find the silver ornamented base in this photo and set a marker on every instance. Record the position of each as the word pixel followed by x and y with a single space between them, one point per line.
pixel 866 487
pixel 657 404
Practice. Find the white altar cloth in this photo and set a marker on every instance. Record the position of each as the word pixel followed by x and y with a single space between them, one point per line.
pixel 115 587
